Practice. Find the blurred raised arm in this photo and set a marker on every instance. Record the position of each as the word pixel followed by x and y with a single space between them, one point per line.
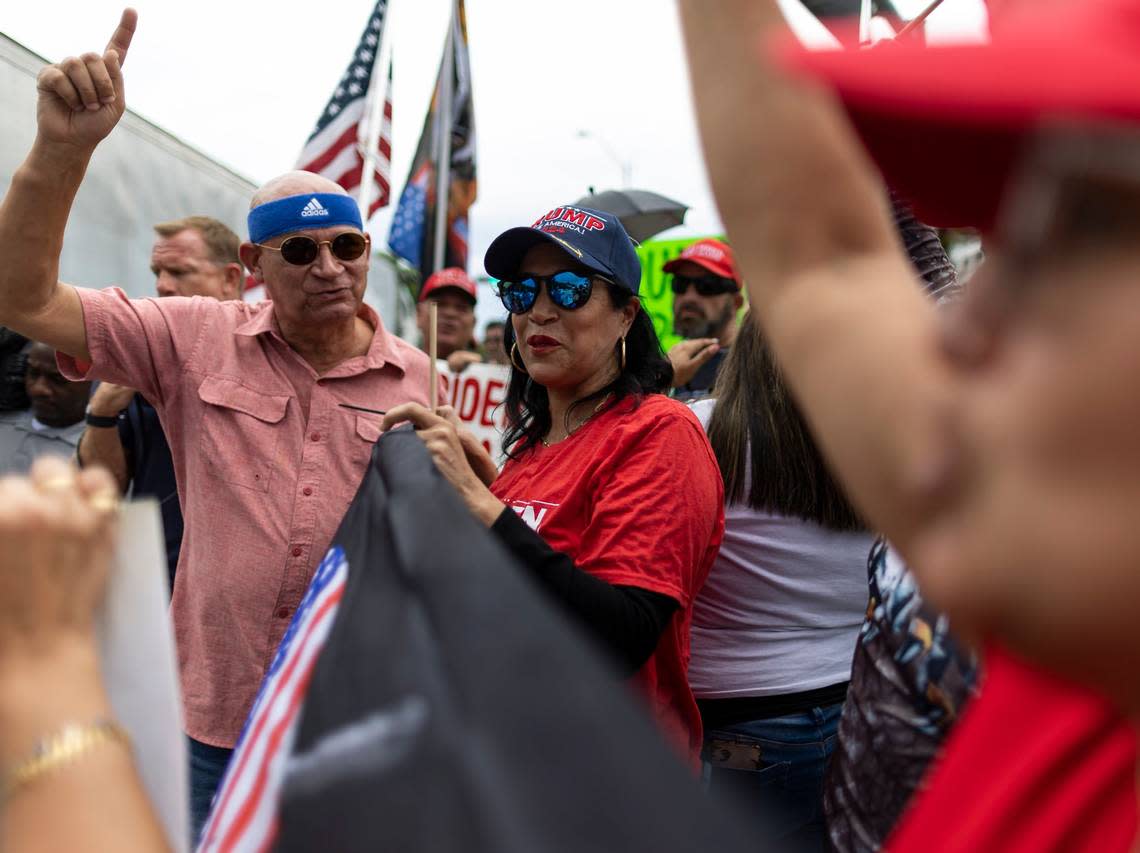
pixel 827 278
pixel 56 536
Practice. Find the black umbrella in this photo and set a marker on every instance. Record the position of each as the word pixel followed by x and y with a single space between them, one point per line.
pixel 643 213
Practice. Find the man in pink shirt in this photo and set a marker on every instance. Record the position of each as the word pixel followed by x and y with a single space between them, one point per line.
pixel 266 456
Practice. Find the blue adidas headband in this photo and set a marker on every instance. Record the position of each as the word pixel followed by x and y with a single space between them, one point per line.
pixel 302 213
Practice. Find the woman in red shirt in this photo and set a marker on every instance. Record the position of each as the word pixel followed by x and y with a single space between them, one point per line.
pixel 610 496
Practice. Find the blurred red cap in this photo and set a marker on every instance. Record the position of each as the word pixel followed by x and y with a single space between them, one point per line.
pixel 947 124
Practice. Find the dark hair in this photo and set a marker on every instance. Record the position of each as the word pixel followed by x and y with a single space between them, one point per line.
pixel 13 367
pixel 756 419
pixel 494 324
pixel 647 371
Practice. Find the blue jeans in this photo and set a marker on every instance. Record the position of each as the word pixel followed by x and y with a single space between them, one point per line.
pixel 779 762
pixel 207 766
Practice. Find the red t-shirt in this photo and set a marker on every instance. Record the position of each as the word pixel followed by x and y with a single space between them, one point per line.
pixel 633 497
pixel 1035 764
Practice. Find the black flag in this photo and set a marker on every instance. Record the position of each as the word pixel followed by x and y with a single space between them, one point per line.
pixel 453 710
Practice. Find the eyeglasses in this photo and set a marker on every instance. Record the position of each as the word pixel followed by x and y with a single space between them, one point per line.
pixel 568 290
pixel 709 285
pixel 302 251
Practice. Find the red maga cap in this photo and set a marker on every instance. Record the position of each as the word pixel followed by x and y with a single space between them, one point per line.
pixel 713 255
pixel 948 124
pixel 449 277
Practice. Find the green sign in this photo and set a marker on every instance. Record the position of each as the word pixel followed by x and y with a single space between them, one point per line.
pixel 656 297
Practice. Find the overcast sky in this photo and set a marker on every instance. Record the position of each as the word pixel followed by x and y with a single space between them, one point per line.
pixel 244 81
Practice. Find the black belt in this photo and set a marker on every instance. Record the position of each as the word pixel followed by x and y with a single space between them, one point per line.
pixel 717 713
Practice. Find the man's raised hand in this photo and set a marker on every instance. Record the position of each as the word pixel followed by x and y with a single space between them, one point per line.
pixel 81 98
pixel 689 356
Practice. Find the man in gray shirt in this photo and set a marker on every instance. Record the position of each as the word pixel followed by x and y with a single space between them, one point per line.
pixel 52 425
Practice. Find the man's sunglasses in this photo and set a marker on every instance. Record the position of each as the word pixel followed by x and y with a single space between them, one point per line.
pixel 709 285
pixel 302 251
pixel 569 290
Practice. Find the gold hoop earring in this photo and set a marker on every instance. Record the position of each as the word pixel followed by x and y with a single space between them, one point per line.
pixel 515 364
pixel 622 368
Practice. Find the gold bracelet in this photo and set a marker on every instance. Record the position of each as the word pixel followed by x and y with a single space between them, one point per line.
pixel 70 743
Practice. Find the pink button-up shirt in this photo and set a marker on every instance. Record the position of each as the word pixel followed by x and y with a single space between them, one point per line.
pixel 266 461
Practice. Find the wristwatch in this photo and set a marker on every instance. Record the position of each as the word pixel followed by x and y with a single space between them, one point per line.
pixel 101 421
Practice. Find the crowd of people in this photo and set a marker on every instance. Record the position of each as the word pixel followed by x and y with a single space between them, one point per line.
pixel 864 547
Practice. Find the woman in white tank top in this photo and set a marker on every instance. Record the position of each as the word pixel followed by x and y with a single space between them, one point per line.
pixel 775 626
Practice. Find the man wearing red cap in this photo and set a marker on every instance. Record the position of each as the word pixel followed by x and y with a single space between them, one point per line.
pixel 453 291
pixel 998 452
pixel 706 300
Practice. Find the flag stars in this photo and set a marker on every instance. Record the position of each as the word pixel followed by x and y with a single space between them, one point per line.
pixel 354 83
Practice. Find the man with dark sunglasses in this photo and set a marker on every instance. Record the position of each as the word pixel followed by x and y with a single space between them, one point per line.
pixel 266 457
pixel 706 299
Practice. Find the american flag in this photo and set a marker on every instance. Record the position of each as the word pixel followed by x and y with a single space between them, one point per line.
pixel 244 816
pixel 337 145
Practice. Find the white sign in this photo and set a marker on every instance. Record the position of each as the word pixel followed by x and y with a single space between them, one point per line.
pixel 139 666
pixel 477 396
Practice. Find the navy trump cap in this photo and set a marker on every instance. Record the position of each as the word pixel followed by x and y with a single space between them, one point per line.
pixel 593 238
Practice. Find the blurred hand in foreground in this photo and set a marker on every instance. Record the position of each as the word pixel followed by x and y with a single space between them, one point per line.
pixel 56 536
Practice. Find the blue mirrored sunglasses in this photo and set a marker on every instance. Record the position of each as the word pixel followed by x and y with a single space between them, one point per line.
pixel 569 290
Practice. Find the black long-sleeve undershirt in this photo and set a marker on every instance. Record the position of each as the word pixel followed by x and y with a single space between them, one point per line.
pixel 628 620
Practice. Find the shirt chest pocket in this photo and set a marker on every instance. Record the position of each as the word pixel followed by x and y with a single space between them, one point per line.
pixel 367 431
pixel 240 432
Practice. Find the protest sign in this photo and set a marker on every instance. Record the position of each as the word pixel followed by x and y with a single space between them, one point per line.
pixel 138 661
pixel 477 395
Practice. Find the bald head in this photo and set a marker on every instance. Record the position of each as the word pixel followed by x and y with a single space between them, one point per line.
pixel 315 294
pixel 294 183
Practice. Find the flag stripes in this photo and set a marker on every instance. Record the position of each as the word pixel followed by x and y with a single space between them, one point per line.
pixel 245 810
pixel 338 147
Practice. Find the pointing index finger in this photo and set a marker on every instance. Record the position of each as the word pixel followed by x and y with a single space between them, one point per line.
pixel 121 39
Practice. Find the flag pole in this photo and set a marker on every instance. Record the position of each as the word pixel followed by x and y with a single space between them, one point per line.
pixel 917 22
pixel 865 22
pixel 374 103
pixel 443 146
pixel 433 354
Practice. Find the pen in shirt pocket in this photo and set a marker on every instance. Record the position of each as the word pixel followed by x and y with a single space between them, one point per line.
pixel 361 409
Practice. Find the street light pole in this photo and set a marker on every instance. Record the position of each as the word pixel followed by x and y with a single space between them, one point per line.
pixel 623 163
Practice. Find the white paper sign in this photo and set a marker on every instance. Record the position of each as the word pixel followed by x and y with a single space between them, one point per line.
pixel 477 395
pixel 140 667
